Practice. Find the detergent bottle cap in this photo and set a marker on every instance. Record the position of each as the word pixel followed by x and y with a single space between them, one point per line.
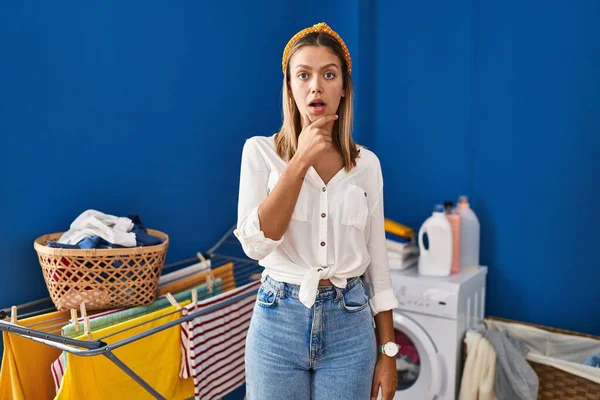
pixel 448 205
pixel 463 202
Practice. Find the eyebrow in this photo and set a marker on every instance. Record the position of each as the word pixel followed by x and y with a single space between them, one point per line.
pixel 323 67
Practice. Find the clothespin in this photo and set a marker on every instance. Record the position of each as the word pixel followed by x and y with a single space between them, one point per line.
pixel 86 321
pixel 210 277
pixel 255 277
pixel 173 301
pixel 13 315
pixel 74 319
pixel 202 259
pixel 194 298
pixel 210 281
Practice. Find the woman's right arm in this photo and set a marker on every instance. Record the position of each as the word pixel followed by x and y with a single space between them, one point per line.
pixel 263 219
pixel 275 212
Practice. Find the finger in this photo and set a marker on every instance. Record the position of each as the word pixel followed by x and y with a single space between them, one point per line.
pixel 305 120
pixel 386 395
pixel 374 390
pixel 323 120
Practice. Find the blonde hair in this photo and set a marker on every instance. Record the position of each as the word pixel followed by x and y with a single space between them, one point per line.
pixel 286 142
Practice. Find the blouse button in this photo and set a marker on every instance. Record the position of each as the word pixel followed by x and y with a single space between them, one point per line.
pixel 323 215
pixel 365 194
pixel 322 243
pixel 324 188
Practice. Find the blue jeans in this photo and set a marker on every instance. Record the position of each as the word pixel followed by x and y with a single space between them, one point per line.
pixel 325 352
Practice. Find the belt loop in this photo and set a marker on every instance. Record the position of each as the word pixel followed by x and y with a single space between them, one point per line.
pixel 282 290
pixel 338 293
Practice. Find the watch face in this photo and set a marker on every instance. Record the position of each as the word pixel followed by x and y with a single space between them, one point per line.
pixel 390 349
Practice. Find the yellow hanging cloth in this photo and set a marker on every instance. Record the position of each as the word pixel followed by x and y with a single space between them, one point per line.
pixel 25 372
pixel 156 359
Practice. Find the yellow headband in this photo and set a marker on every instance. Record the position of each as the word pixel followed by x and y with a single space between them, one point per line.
pixel 321 27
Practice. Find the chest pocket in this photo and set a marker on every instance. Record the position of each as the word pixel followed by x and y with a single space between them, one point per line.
pixel 301 209
pixel 355 207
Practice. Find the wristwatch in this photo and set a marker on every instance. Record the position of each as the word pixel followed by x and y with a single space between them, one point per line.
pixel 390 349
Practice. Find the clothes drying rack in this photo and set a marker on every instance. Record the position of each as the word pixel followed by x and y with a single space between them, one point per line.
pixel 245 271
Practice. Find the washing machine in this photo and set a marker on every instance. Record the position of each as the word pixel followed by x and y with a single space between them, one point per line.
pixel 430 324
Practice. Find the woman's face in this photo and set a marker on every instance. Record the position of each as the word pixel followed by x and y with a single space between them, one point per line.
pixel 316 81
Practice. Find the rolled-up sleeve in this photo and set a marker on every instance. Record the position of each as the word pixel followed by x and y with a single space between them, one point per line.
pixel 377 277
pixel 254 176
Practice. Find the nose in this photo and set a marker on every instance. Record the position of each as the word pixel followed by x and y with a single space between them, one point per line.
pixel 316 86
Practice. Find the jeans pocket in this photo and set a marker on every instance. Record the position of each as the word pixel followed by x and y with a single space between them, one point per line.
pixel 355 299
pixel 266 297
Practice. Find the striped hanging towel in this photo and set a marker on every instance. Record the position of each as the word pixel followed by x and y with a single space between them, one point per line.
pixel 213 343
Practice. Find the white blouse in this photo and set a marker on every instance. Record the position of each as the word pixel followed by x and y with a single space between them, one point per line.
pixel 336 231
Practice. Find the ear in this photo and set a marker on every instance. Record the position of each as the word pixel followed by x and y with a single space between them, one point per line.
pixel 343 92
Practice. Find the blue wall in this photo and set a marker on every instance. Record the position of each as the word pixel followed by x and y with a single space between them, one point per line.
pixel 500 102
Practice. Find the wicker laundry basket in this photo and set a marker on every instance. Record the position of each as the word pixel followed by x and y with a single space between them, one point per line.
pixel 102 278
pixel 555 383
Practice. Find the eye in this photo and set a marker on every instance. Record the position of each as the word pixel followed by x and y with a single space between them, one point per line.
pixel 302 76
pixel 329 75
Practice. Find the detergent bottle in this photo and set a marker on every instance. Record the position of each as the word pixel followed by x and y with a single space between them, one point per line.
pixel 469 234
pixel 436 259
pixel 454 219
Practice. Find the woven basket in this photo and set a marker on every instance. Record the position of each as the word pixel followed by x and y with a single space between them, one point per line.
pixel 555 383
pixel 102 278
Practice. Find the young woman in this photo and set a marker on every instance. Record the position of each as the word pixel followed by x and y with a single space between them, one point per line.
pixel 311 211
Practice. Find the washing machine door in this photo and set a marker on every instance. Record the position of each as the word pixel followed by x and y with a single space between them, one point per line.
pixel 420 371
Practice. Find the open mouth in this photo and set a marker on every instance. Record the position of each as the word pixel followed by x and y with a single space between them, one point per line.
pixel 317 106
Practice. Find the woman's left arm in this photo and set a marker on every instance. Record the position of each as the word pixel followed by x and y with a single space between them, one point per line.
pixel 384 300
pixel 382 297
pixel 386 374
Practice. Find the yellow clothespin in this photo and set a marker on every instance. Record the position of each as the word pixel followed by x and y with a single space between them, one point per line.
pixel 86 321
pixel 13 315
